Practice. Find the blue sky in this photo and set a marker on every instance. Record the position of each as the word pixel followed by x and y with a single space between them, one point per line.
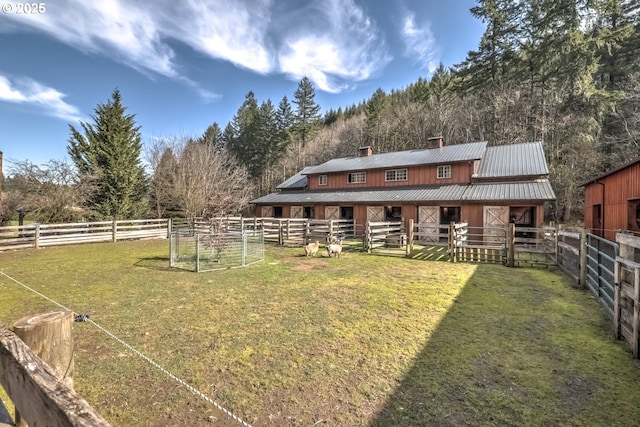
pixel 182 65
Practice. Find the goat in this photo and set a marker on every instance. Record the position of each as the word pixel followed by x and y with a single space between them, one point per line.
pixel 311 248
pixel 335 248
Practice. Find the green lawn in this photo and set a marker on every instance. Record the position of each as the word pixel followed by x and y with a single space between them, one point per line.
pixel 361 340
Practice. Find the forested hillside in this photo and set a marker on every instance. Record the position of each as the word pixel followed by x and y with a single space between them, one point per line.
pixel 564 72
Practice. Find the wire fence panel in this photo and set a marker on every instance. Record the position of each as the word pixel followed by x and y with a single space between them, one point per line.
pixel 195 251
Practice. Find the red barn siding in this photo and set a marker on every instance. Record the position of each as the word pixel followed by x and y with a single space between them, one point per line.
pixel 417 175
pixel 613 192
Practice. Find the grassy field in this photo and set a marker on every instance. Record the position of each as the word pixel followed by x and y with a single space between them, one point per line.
pixel 360 340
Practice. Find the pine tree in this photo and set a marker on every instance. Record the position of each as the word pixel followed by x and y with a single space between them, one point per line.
pixel 213 137
pixel 109 152
pixel 307 116
pixel 375 110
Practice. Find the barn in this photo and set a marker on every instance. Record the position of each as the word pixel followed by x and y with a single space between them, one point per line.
pixel 435 185
pixel 612 201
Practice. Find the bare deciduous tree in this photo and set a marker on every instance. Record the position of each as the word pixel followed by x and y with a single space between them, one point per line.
pixel 49 194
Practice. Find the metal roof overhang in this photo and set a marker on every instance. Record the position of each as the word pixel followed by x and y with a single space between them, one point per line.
pixel 516 191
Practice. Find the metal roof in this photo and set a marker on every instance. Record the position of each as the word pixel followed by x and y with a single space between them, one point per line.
pixel 513 160
pixel 530 190
pixel 299 180
pixel 446 154
pixel 536 190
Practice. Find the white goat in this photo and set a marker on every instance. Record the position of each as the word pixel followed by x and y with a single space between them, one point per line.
pixel 311 248
pixel 335 248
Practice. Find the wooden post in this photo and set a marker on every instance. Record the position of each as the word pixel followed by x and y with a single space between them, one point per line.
pixel 50 338
pixel 511 245
pixel 280 234
pixel 36 391
pixel 583 260
pixel 114 231
pixel 36 236
pixel 616 300
pixel 197 252
pixel 367 236
pixel 410 238
pixel 169 227
pixel 635 340
pixel 330 230
pixel 452 242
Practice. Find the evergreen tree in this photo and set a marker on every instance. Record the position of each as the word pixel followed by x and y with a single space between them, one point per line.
pixel 245 130
pixel 307 115
pixel 213 137
pixel 284 125
pixel 109 152
pixel 376 108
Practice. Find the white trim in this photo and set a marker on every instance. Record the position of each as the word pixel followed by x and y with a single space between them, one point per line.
pixel 352 175
pixel 444 172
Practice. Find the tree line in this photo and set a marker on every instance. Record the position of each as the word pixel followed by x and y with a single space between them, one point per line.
pixel 563 72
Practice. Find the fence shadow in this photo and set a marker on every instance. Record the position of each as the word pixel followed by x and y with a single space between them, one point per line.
pixel 494 358
pixel 160 263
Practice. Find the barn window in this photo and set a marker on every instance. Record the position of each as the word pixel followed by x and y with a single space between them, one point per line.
pixel 322 180
pixel 444 171
pixel 277 211
pixel 357 177
pixel 396 175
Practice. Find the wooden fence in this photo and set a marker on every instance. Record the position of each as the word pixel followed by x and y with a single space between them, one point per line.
pixel 284 231
pixel 43 235
pixel 477 244
pixel 388 237
pixel 626 305
pixel 39 395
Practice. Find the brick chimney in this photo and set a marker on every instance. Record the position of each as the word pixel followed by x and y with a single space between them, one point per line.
pixel 435 142
pixel 365 151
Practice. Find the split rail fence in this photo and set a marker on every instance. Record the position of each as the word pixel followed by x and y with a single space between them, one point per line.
pixel 42 235
pixel 40 392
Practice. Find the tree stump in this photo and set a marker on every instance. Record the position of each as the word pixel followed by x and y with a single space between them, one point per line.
pixel 50 337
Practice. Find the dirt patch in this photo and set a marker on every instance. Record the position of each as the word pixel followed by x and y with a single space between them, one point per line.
pixel 307 263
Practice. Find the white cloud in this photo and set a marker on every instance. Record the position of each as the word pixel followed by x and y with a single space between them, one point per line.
pixel 332 42
pixel 230 30
pixel 420 43
pixel 46 99
pixel 335 46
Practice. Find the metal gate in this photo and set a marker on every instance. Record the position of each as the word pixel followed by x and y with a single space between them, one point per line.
pixel 601 255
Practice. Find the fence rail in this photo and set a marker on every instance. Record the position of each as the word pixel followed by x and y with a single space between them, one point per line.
pixel 284 231
pixel 37 393
pixel 43 235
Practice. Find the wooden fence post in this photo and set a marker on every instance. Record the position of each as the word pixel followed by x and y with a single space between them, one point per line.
pixel 511 245
pixel 452 242
pixel 50 338
pixel 169 227
pixel 280 233
pixel 36 236
pixel 583 260
pixel 114 231
pixel 410 238
pixel 367 237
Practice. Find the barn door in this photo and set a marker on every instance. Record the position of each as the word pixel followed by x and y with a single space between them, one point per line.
pixel 495 217
pixel 297 212
pixel 332 212
pixel 267 211
pixel 428 223
pixel 375 213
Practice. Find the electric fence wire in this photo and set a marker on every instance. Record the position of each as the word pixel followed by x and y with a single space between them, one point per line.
pixel 139 354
